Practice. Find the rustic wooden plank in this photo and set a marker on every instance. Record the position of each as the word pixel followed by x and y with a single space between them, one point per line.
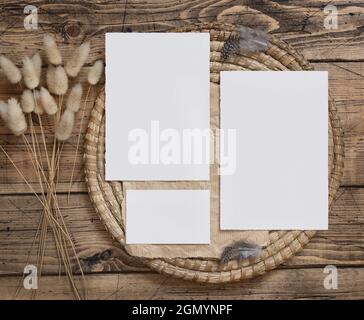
pixel 300 23
pixel 342 244
pixel 19 220
pixel 278 284
pixel 347 90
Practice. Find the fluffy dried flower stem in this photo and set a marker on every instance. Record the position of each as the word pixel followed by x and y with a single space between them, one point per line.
pixel 37 102
pixel 64 127
pixel 32 151
pixel 43 139
pixel 78 59
pixel 30 76
pixel 10 70
pixel 37 156
pixel 27 101
pixel 78 143
pixel 57 80
pixel 50 46
pixel 73 102
pixel 95 72
pixel 15 119
pixel 38 109
pixel 37 63
pixel 51 212
pixel 33 136
pixel 48 102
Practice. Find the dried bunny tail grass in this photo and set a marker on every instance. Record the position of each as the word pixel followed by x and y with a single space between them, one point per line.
pixel 38 108
pixel 73 102
pixel 15 118
pixel 48 103
pixel 30 77
pixel 78 59
pixel 57 80
pixel 61 81
pixel 27 101
pixel 37 63
pixel 65 125
pixel 95 72
pixel 50 46
pixel 10 70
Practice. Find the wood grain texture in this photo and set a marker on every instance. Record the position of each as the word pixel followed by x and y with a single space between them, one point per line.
pixel 340 51
pixel 300 23
pixel 341 245
pixel 281 284
pixel 19 220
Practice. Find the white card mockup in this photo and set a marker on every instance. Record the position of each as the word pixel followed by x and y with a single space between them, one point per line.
pixel 157 97
pixel 167 216
pixel 279 177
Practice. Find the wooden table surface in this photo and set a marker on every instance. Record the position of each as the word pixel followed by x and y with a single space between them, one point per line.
pixel 111 275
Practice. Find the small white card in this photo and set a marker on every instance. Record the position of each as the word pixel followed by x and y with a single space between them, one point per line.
pixel 280 179
pixel 167 216
pixel 157 96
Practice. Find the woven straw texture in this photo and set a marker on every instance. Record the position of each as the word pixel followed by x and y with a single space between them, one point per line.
pixel 107 197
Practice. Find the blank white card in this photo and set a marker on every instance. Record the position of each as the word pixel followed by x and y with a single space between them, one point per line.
pixel 167 216
pixel 157 93
pixel 279 177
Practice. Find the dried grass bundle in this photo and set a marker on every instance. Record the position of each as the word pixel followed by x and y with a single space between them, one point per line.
pixel 30 76
pixel 78 59
pixel 64 127
pixel 93 78
pixel 46 163
pixel 50 46
pixel 37 63
pixel 57 80
pixel 73 102
pixel 10 70
pixel 38 108
pixel 27 102
pixel 14 118
pixel 95 72
pixel 48 103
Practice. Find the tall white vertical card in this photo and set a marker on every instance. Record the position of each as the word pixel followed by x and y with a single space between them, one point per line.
pixel 157 97
pixel 280 180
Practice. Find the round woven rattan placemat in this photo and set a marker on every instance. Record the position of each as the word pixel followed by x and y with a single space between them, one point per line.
pixel 107 197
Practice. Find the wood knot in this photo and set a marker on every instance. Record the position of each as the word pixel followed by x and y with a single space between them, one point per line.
pixel 72 30
pixel 96 262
